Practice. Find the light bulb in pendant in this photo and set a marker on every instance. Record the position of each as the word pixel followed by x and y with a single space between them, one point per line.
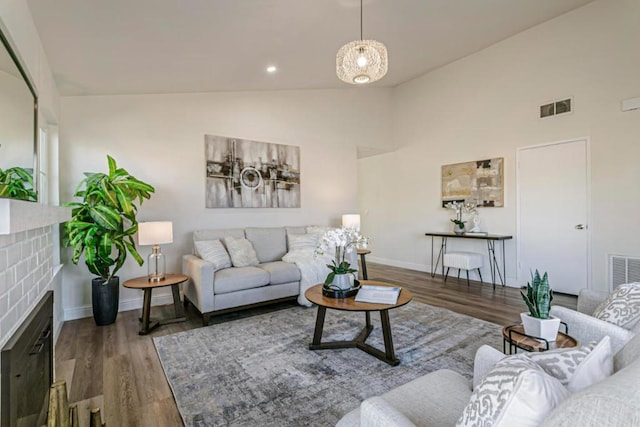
pixel 362 61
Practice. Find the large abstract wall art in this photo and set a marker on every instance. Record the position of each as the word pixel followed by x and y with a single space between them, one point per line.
pixel 480 182
pixel 250 174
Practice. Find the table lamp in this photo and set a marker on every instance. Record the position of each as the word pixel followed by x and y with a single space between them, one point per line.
pixel 155 233
pixel 351 221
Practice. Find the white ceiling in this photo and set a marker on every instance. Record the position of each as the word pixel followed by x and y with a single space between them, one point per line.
pixel 165 46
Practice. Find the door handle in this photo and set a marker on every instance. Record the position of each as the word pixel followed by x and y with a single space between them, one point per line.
pixel 580 227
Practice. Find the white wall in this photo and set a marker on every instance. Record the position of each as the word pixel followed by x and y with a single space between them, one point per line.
pixel 160 139
pixel 486 105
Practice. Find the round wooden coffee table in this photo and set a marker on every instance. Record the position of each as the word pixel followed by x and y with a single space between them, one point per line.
pixel 314 294
pixel 516 338
pixel 144 284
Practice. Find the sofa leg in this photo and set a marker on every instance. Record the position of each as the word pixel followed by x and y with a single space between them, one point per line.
pixel 205 319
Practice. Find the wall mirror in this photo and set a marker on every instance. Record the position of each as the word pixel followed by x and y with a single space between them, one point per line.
pixel 18 128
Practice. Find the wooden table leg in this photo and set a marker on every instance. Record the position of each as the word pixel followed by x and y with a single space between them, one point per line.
pixel 364 267
pixel 388 339
pixel 177 306
pixel 147 326
pixel 317 333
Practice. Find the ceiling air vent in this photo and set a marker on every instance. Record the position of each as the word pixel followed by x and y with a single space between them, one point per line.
pixel 556 108
pixel 623 269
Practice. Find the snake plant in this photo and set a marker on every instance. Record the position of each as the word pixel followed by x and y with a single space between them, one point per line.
pixel 539 296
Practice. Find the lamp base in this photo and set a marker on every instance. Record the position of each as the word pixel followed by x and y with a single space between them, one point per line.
pixel 156 279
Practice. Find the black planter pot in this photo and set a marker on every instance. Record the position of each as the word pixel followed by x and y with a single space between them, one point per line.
pixel 105 295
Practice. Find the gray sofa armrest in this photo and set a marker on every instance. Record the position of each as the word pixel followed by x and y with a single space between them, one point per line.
pixel 485 358
pixel 199 287
pixel 586 328
pixel 377 412
pixel 588 300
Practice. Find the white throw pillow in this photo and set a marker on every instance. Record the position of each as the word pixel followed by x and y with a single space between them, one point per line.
pixel 516 392
pixel 622 307
pixel 303 242
pixel 578 368
pixel 214 252
pixel 241 251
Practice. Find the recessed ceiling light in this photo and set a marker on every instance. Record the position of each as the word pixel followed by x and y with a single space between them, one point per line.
pixel 271 69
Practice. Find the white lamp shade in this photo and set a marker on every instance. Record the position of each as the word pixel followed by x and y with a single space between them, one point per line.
pixel 155 233
pixel 351 221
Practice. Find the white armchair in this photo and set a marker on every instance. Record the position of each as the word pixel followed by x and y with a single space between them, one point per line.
pixel 586 328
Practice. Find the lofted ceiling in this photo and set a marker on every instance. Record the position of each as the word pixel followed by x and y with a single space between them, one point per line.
pixel 168 46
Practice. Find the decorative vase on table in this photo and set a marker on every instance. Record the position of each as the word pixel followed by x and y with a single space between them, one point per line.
pixel 342 281
pixel 342 240
pixel 459 228
pixel 538 323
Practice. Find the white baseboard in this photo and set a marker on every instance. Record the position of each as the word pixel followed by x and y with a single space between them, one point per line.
pixel 124 305
pixel 401 264
pixel 425 268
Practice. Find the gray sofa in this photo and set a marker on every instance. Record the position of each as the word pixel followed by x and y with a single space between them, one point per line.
pixel 438 398
pixel 229 289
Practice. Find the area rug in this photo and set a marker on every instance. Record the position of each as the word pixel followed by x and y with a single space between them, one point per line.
pixel 258 371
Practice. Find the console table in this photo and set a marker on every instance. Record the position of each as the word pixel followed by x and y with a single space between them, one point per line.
pixel 491 249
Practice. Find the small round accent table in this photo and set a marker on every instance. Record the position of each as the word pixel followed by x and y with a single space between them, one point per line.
pixel 314 294
pixel 515 337
pixel 144 284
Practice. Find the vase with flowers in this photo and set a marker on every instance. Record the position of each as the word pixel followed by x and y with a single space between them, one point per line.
pixel 460 208
pixel 342 241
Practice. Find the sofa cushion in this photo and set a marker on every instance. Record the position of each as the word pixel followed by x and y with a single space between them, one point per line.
pixel 628 354
pixel 296 230
pixel 516 392
pixel 578 368
pixel 214 252
pixel 270 243
pixel 241 252
pixel 622 307
pixel 303 242
pixel 426 406
pixel 281 272
pixel 239 278
pixel 220 234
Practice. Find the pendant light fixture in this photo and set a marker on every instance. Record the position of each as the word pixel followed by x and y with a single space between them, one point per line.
pixel 361 61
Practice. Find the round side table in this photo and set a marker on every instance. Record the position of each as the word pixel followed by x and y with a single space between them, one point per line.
pixel 514 336
pixel 145 285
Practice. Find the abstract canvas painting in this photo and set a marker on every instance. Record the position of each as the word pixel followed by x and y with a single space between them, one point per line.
pixel 480 182
pixel 241 173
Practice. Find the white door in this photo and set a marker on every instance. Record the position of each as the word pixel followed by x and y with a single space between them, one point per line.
pixel 553 232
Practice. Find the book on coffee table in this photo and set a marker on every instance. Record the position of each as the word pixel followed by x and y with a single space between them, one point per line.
pixel 378 294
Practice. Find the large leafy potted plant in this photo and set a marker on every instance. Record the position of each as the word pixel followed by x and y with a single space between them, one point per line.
pixel 538 322
pixel 102 227
pixel 17 183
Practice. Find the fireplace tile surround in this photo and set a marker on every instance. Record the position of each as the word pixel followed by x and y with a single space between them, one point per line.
pixel 27 262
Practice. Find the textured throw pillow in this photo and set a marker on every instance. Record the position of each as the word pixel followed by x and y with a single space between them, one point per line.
pixel 214 252
pixel 622 307
pixel 578 368
pixel 303 242
pixel 241 252
pixel 516 392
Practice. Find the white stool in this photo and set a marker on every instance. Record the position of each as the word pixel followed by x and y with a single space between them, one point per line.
pixel 462 261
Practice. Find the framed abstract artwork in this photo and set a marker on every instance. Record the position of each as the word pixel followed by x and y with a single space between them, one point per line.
pixel 480 182
pixel 241 173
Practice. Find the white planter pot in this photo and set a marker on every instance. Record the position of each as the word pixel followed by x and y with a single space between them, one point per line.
pixel 541 328
pixel 343 281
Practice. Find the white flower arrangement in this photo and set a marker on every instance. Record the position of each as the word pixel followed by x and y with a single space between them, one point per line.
pixel 343 241
pixel 460 208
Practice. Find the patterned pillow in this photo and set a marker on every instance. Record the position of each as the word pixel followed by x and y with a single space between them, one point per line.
pixel 515 392
pixel 622 307
pixel 303 242
pixel 578 368
pixel 214 252
pixel 241 251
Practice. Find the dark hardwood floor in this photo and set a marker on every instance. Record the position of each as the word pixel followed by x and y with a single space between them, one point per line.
pixel 115 369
